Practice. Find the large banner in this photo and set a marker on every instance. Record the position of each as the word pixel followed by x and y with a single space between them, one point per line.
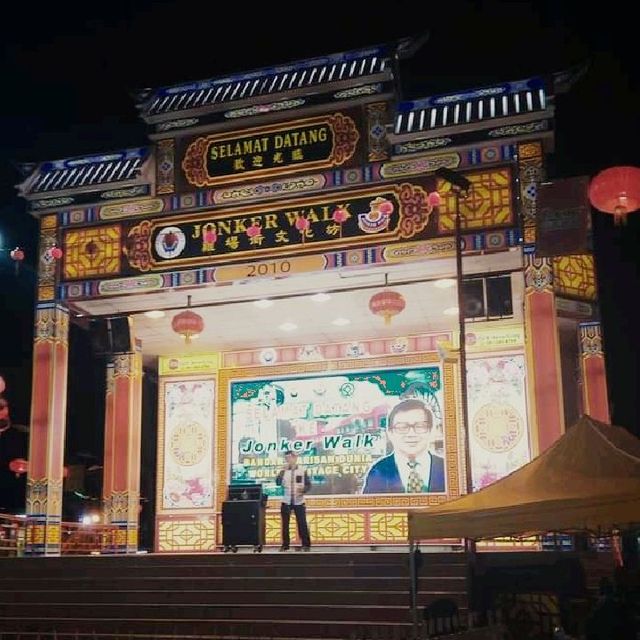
pixel 499 433
pixel 188 444
pixel 364 432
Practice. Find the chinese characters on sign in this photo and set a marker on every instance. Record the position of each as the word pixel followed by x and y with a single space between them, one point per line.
pixel 359 218
pixel 311 143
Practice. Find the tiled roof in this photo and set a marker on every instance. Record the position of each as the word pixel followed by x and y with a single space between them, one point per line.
pixel 500 101
pixel 75 173
pixel 266 82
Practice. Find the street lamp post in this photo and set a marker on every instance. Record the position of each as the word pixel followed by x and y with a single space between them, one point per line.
pixel 460 187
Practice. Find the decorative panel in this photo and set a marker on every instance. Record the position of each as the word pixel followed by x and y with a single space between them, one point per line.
pixel 91 252
pixel 489 202
pixel 180 536
pixel 575 276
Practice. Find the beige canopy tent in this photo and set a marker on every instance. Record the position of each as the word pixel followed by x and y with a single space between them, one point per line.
pixel 589 480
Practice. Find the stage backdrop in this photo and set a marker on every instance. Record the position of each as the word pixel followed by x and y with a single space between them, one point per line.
pixel 336 422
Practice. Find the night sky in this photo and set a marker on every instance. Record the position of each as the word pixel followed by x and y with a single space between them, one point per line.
pixel 69 71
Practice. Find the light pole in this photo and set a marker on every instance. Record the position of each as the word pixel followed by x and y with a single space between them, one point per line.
pixel 460 186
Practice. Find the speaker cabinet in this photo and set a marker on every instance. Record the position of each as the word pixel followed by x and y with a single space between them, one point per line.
pixel 111 335
pixel 243 523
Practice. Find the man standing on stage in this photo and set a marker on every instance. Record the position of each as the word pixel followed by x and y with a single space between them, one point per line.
pixel 295 482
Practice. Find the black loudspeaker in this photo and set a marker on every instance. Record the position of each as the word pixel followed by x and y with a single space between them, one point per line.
pixel 244 492
pixel 243 523
pixel 111 335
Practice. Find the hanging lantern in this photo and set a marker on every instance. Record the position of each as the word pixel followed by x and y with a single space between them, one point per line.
pixel 434 199
pixel 18 466
pixel 55 252
pixel 254 231
pixel 340 215
pixel 387 304
pixel 209 237
pixel 616 191
pixel 187 323
pixel 17 255
pixel 302 224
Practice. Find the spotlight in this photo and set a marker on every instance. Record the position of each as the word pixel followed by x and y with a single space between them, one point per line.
pixel 455 179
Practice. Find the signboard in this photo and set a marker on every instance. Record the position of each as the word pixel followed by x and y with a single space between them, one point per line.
pixel 489 338
pixel 188 364
pixel 562 217
pixel 385 213
pixel 338 424
pixel 311 143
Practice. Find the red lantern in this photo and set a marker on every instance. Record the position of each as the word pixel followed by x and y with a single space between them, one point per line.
pixel 340 215
pixel 17 255
pixel 55 253
pixel 187 324
pixel 387 304
pixel 302 224
pixel 19 466
pixel 434 199
pixel 254 230
pixel 210 237
pixel 616 191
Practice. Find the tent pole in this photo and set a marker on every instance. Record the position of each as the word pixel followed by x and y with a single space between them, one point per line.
pixel 413 587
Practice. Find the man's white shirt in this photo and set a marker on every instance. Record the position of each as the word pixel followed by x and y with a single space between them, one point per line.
pixel 294 488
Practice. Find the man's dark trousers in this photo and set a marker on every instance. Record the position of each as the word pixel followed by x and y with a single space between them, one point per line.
pixel 301 520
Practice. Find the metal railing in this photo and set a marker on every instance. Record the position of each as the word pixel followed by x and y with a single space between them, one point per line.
pixel 76 538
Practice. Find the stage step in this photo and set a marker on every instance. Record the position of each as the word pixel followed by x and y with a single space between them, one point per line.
pixel 231 596
pixel 244 595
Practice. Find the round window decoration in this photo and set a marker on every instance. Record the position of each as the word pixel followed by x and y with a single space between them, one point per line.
pixel 497 427
pixel 188 444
